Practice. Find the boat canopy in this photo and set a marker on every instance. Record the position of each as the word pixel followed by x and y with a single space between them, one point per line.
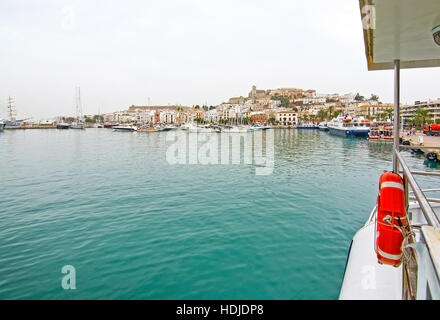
pixel 400 30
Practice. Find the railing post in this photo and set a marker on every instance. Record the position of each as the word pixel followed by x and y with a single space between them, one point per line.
pixel 396 114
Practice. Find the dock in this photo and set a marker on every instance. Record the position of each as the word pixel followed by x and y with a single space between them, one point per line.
pixel 427 144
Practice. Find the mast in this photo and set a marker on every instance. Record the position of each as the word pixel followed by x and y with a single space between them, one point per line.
pixel 11 110
pixel 78 104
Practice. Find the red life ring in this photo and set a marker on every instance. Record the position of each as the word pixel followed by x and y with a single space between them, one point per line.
pixel 390 219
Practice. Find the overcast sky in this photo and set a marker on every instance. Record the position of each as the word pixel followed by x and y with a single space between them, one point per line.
pixel 186 52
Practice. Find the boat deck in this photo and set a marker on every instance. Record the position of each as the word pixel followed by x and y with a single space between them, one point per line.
pixel 365 278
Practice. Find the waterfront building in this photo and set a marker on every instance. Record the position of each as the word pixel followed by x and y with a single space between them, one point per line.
pixel 259 117
pixel 287 118
pixel 432 106
pixel 212 116
pixel 371 110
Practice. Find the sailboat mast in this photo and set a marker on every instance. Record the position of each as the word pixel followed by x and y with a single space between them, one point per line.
pixel 78 103
pixel 11 111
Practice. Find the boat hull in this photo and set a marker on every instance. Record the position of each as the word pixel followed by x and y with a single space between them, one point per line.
pixel 77 126
pixel 63 126
pixel 349 132
pixel 2 126
pixel 124 129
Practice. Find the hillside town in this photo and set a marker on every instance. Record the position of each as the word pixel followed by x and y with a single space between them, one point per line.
pixel 283 107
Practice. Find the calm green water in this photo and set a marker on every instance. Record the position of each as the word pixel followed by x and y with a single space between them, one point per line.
pixel 135 227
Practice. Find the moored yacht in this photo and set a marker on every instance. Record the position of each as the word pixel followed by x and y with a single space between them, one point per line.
pixel 308 126
pixel 63 126
pixel 77 125
pixel 124 128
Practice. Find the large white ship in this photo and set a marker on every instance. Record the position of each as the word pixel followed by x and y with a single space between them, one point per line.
pixel 349 127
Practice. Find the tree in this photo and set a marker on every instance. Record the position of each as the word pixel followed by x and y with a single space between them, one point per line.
pixel 272 120
pixel 389 112
pixel 422 117
pixel 359 97
pixel 284 101
pixel 322 114
pixel 330 112
pixel 337 113
pixel 374 97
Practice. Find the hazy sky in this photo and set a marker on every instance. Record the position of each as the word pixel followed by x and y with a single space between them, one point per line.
pixel 187 52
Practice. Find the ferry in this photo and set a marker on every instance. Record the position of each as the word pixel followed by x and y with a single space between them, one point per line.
pixel 396 254
pixel 2 125
pixel 381 133
pixel 349 127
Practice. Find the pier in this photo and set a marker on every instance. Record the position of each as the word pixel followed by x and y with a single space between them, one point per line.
pixel 426 144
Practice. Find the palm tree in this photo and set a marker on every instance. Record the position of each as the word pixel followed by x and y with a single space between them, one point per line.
pixel 322 115
pixel 389 113
pixel 422 117
pixel 331 110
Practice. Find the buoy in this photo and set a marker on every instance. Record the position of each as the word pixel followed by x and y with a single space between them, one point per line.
pixel 431 156
pixel 390 219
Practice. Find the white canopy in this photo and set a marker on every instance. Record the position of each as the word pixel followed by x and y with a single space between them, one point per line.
pixel 400 30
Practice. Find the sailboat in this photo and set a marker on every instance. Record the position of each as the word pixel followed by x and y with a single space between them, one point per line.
pixel 12 122
pixel 78 124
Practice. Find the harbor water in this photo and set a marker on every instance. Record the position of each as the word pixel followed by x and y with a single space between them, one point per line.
pixel 135 227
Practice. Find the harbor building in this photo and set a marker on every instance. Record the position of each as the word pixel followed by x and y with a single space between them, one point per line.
pixel 371 110
pixel 432 106
pixel 287 118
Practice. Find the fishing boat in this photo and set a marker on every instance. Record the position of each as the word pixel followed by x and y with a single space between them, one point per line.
pixel 349 127
pixel 2 125
pixel 381 133
pixel 396 254
pixel 124 128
